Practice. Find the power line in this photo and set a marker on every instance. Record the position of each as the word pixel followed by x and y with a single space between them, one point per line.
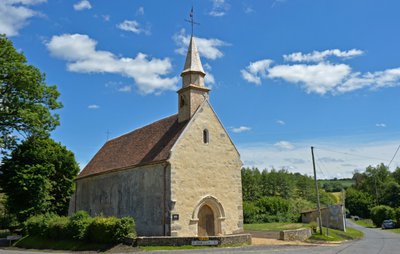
pixel 351 154
pixel 394 156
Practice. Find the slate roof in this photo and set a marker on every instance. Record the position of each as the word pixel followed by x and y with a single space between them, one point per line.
pixel 149 144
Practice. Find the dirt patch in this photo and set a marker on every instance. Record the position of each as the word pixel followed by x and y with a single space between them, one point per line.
pixel 266 241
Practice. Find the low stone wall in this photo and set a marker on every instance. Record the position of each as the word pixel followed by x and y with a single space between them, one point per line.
pixel 296 234
pixel 179 241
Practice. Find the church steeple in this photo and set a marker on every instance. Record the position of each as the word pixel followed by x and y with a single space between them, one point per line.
pixel 193 91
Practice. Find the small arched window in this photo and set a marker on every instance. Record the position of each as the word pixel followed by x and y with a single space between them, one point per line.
pixel 206 137
pixel 181 101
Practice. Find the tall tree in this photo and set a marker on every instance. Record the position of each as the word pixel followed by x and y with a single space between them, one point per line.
pixel 38 177
pixel 26 102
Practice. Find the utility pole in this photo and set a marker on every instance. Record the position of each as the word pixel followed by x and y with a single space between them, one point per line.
pixel 316 190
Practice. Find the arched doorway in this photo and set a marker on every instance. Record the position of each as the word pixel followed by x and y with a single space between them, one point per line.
pixel 206 224
pixel 208 215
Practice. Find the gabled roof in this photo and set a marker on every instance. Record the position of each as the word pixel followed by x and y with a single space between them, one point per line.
pixel 149 144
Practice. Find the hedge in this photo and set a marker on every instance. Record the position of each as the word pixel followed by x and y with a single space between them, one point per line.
pixel 81 226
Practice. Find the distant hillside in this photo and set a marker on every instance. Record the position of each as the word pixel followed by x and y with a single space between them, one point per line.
pixel 335 185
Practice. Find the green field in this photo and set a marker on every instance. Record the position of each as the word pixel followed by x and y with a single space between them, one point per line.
pixel 275 226
pixel 344 182
pixel 337 235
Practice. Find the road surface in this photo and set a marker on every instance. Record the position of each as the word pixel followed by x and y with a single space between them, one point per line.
pixel 375 241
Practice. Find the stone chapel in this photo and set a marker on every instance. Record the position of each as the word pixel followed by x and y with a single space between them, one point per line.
pixel 178 176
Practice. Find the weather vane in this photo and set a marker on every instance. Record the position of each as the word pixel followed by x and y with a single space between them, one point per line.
pixel 191 20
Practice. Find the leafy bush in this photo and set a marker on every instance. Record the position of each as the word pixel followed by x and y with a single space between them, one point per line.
pixel 101 230
pixel 78 225
pixel 57 228
pixel 381 213
pixel 250 212
pixel 397 216
pixel 38 224
pixel 125 227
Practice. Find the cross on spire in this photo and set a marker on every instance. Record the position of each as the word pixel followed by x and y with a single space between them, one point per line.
pixel 191 20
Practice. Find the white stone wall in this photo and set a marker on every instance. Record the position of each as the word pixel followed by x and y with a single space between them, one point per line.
pixel 199 170
pixel 137 192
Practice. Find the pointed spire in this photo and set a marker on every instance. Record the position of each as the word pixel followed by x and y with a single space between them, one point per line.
pixel 193 63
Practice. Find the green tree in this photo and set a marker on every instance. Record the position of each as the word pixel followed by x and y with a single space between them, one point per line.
pixel 391 194
pixel 396 175
pixel 251 188
pixel 38 177
pixel 358 202
pixel 26 101
pixel 381 213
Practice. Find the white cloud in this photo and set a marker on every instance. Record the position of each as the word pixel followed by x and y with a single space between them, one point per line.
pixel 140 11
pixel 256 70
pixel 93 106
pixel 208 48
pixel 318 56
pixel 209 79
pixel 82 5
pixel 14 15
pixel 132 26
pixel 219 8
pixel 241 129
pixel 382 125
pixel 280 122
pixel 321 77
pixel 335 157
pixel 284 145
pixel 125 89
pixel 106 17
pixel 82 56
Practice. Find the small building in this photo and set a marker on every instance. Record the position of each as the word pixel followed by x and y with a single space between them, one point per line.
pixel 178 176
pixel 333 216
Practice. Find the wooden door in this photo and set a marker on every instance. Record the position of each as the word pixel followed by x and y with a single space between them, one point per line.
pixel 206 225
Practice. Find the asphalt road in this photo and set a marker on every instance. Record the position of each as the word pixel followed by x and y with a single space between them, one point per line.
pixel 375 241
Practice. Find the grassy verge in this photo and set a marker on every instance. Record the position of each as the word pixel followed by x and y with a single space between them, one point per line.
pixel 337 235
pixel 32 242
pixel 184 247
pixel 275 226
pixel 395 230
pixel 365 223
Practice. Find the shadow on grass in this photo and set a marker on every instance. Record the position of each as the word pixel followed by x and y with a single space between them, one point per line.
pixel 33 242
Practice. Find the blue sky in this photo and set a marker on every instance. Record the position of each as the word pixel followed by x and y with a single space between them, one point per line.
pixel 285 75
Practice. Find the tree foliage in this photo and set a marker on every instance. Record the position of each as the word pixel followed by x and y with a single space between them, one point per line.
pixel 381 213
pixel 38 177
pixel 278 195
pixel 26 101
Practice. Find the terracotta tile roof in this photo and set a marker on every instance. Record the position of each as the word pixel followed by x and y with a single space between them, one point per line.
pixel 149 144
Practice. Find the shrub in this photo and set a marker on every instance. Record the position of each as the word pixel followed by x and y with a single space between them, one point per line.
pixel 57 228
pixel 250 212
pixel 78 225
pixel 111 229
pixel 125 228
pixel 397 215
pixel 38 224
pixel 81 226
pixel 101 230
pixel 381 213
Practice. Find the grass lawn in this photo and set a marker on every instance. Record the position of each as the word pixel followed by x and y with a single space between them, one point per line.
pixel 337 235
pixel 275 226
pixel 365 223
pixel 184 247
pixel 395 230
pixel 32 242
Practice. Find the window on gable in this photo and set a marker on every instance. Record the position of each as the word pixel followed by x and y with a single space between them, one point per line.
pixel 206 137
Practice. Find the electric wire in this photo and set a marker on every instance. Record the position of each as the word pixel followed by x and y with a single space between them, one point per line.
pixel 393 156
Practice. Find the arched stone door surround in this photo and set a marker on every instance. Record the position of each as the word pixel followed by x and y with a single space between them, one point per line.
pixel 208 207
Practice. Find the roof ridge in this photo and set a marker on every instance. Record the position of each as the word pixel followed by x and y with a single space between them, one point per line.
pixel 162 119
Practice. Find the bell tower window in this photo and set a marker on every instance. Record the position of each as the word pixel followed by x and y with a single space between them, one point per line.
pixel 181 101
pixel 206 136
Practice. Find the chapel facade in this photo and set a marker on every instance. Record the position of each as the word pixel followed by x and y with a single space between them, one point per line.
pixel 179 176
